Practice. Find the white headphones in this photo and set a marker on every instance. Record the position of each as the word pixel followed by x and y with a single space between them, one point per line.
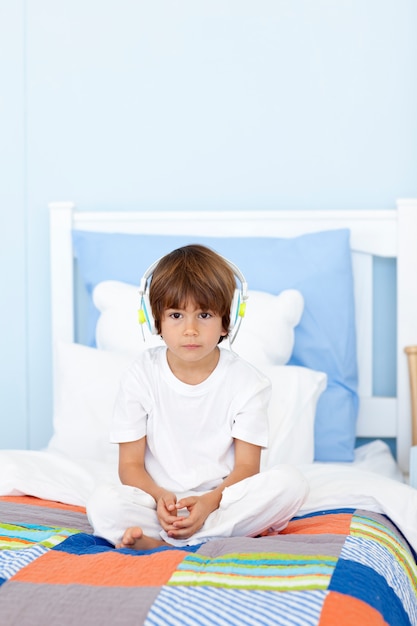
pixel 237 309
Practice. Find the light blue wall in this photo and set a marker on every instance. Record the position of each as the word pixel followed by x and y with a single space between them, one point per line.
pixel 225 104
pixel 13 297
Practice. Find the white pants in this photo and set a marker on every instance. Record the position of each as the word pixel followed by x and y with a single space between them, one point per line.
pixel 266 500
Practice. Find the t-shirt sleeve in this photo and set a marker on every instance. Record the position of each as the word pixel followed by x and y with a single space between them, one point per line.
pixel 129 415
pixel 251 419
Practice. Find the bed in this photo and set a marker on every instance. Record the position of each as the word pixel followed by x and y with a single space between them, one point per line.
pixel 349 556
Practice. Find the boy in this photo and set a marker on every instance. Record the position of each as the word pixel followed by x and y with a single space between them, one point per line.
pixel 191 420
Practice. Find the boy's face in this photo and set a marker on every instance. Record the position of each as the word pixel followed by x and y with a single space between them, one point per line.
pixel 190 333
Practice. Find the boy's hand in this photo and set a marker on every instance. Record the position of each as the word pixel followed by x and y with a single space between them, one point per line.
pixel 199 508
pixel 166 509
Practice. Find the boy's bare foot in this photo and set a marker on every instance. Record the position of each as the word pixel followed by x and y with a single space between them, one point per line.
pixel 134 539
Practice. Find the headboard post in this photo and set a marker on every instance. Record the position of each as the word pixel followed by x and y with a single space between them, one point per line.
pixel 406 318
pixel 62 270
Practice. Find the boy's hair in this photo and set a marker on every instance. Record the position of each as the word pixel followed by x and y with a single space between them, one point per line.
pixel 192 273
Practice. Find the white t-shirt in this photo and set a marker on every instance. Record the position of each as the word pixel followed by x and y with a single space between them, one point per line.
pixel 190 428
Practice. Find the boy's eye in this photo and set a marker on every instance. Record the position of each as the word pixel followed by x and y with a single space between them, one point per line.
pixel 175 315
pixel 205 315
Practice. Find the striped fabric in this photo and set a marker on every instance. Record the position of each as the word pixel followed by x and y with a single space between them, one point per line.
pixel 16 537
pixel 209 605
pixel 11 561
pixel 264 571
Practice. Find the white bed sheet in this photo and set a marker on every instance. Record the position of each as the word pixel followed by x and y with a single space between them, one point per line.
pixel 372 482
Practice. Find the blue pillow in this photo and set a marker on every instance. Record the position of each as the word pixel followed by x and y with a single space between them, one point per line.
pixel 317 264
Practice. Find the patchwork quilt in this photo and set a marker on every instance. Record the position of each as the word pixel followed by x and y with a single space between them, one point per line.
pixel 335 567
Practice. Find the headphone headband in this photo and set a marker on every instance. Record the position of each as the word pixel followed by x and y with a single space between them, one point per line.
pixel 237 309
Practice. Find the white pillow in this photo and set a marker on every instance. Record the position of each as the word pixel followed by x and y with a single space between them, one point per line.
pixel 86 384
pixel 118 327
pixel 266 335
pixel 292 409
pixel 87 381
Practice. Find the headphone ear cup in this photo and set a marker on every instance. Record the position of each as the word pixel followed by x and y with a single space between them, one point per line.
pixel 145 314
pixel 234 310
pixel 237 312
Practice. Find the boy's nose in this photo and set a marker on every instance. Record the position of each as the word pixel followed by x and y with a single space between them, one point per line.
pixel 190 328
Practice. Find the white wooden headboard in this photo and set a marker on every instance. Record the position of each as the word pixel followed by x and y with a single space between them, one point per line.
pixel 387 233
